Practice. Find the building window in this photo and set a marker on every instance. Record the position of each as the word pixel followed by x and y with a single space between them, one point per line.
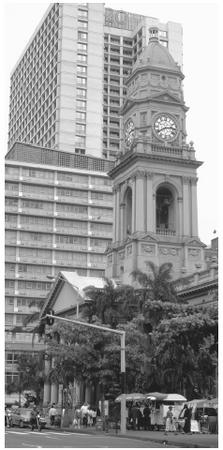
pixel 81 116
pixel 81 104
pixel 80 129
pixel 82 24
pixel 82 58
pixel 82 47
pixel 80 141
pixel 81 93
pixel 82 81
pixel 82 70
pixel 82 36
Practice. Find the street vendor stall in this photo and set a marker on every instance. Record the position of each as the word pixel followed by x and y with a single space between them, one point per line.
pixel 160 403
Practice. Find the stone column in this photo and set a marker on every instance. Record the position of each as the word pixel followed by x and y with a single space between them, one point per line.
pixel 140 205
pixel 149 201
pixel 179 212
pixel 117 215
pixel 186 207
pixel 154 213
pixel 194 225
pixel 133 185
pixel 122 211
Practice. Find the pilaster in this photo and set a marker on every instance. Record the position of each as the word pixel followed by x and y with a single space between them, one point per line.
pixel 140 205
pixel 194 220
pixel 149 202
pixel 186 207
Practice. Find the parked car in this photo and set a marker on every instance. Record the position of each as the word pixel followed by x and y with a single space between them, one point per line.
pixel 21 417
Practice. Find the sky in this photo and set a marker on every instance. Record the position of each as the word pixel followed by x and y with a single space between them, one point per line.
pixel 200 22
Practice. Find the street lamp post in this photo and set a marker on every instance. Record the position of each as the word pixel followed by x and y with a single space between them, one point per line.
pixel 121 333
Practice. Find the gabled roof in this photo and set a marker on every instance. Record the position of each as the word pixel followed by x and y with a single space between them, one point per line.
pixel 77 295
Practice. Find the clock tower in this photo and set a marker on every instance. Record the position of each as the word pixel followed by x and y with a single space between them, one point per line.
pixel 155 176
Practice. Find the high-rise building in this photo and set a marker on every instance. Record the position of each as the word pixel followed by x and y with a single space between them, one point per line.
pixel 69 84
pixel 58 217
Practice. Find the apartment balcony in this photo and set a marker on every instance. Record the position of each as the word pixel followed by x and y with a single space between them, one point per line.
pixel 97 265
pixel 35 211
pixel 98 187
pixel 100 218
pixel 9 291
pixel 73 263
pixel 33 276
pixel 32 293
pixel 69 215
pixel 73 231
pixel 78 185
pixel 97 249
pixel 10 258
pixel 9 208
pixel 100 233
pixel 101 202
pixel 10 193
pixel 36 196
pixel 82 248
pixel 34 260
pixel 9 177
pixel 70 199
pixel 36 244
pixel 40 181
pixel 34 227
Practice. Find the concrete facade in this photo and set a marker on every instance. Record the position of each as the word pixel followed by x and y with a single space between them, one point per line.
pixel 58 217
pixel 69 84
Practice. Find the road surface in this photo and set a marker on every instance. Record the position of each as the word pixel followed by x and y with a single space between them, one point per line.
pixel 25 438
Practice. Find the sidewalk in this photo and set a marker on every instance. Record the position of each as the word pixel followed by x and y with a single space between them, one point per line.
pixel 196 440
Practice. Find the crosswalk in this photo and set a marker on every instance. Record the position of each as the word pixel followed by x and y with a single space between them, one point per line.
pixel 44 432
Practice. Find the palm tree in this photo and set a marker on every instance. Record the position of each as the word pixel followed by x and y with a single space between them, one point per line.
pixel 157 284
pixel 110 304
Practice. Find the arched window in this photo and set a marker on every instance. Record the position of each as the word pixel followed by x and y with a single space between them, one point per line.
pixel 128 212
pixel 165 221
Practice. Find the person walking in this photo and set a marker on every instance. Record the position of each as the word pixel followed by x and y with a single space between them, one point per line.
pixel 52 414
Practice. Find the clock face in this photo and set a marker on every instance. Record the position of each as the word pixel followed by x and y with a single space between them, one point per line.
pixel 165 127
pixel 129 133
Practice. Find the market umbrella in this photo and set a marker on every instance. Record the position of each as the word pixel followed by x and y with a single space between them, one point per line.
pixel 131 397
pixel 157 395
pixel 175 398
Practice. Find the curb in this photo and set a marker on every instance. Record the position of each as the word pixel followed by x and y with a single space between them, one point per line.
pixel 165 441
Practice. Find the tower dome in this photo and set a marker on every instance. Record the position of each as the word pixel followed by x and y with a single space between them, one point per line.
pixel 156 55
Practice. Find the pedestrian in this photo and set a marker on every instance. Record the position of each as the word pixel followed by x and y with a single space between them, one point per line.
pixel 170 422
pixel 94 416
pixel 52 414
pixel 146 415
pixel 187 416
pixel 134 416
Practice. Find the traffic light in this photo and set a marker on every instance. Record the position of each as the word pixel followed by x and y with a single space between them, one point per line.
pixel 50 320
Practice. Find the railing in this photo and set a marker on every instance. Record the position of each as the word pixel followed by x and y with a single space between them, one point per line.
pixel 165 232
pixel 176 151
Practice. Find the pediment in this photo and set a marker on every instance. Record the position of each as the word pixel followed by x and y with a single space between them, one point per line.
pixel 194 242
pixel 149 238
pixel 166 97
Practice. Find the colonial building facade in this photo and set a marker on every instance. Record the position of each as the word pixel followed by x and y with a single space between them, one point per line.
pixel 155 178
